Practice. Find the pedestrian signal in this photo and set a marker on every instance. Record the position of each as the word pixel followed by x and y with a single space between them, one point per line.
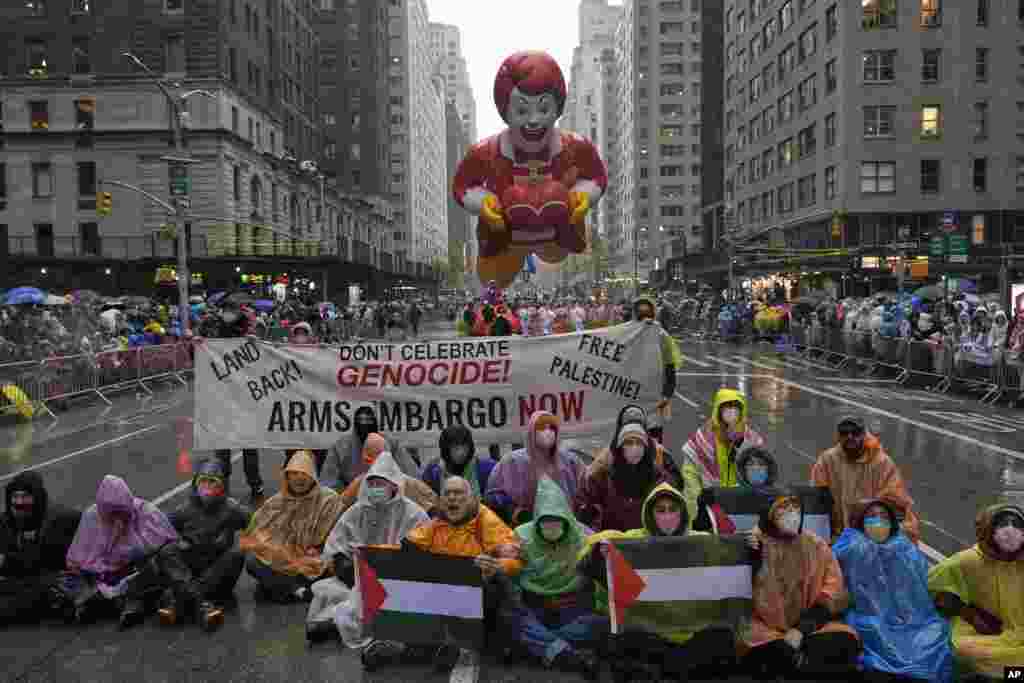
pixel 104 203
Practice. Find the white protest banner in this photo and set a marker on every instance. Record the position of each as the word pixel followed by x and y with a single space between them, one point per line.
pixel 252 394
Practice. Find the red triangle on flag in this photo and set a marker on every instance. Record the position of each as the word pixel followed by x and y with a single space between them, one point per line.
pixel 372 590
pixel 723 522
pixel 628 583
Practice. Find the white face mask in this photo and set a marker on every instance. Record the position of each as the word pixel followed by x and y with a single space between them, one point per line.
pixel 1009 539
pixel 730 416
pixel 789 522
pixel 546 438
pixel 633 453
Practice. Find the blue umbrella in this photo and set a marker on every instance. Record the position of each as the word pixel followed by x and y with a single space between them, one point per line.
pixel 264 305
pixel 216 297
pixel 24 295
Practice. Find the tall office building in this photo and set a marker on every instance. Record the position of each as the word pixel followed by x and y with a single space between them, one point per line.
pixel 659 51
pixel 418 140
pixel 873 123
pixel 446 48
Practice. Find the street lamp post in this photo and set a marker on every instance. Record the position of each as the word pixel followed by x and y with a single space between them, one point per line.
pixel 181 204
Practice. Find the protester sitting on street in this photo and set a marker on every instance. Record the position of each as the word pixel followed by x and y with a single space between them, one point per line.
pixel 463 528
pixel 459 459
pixel 858 468
pixel 756 469
pixel 798 595
pixel 286 535
pixel 685 654
pixel 381 516
pixel 611 497
pixel 709 455
pixel 636 414
pixel 980 590
pixel 207 525
pixel 123 555
pixel 35 534
pixel 644 310
pixel 410 487
pixel 345 460
pixel 513 483
pixel 550 610
pixel 904 636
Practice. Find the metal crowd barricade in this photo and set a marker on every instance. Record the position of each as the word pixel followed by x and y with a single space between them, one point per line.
pixel 978 372
pixel 1013 375
pixel 931 361
pixel 890 354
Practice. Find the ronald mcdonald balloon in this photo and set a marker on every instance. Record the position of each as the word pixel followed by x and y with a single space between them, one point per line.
pixel 531 185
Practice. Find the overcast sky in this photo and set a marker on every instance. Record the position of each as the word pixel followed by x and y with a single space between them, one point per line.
pixel 493 29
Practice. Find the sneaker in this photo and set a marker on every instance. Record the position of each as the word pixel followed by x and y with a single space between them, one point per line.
pixel 374 654
pixel 445 659
pixel 169 609
pixel 211 616
pixel 132 614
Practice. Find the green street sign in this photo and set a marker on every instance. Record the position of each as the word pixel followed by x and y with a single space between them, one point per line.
pixel 958 245
pixel 937 246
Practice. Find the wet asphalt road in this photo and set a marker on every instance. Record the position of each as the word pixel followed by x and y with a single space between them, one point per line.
pixel 956 455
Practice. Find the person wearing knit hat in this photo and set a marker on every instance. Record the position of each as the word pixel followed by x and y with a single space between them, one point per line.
pixel 612 496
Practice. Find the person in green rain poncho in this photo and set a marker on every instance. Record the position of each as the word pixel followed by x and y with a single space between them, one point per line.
pixel 671 358
pixel 550 606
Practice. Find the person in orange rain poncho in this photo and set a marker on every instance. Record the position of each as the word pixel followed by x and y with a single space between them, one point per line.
pixel 412 488
pixel 858 468
pixel 798 595
pixel 464 528
pixel 286 535
pixel 981 590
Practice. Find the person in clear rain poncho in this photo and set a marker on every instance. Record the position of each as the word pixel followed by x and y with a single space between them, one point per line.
pixel 904 636
pixel 381 516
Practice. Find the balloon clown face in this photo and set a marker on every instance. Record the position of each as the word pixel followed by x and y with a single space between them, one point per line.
pixel 531 118
pixel 530 92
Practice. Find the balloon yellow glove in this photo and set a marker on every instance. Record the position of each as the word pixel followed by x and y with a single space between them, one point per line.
pixel 491 213
pixel 579 203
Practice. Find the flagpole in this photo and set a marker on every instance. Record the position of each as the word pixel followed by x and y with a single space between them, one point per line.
pixel 610 578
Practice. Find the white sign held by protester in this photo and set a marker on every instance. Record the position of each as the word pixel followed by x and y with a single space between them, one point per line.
pixel 252 394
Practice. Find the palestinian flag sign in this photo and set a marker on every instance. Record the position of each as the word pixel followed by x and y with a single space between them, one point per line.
pixel 421 598
pixel 680 583
pixel 739 508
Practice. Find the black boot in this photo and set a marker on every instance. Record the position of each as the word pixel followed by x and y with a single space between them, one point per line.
pixel 320 631
pixel 210 615
pixel 133 612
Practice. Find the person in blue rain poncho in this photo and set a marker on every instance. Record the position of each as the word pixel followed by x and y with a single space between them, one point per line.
pixel 903 635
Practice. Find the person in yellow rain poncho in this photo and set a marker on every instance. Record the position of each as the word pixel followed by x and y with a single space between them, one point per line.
pixel 286 536
pixel 709 455
pixel 671 359
pixel 981 590
pixel 692 654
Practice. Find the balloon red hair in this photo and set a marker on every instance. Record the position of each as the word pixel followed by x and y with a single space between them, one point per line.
pixel 534 73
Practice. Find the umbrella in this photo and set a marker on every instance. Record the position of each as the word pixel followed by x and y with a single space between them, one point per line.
pixel 214 298
pixel 85 297
pixel 264 305
pixel 240 298
pixel 54 300
pixel 24 295
pixel 137 301
pixel 195 299
pixel 929 292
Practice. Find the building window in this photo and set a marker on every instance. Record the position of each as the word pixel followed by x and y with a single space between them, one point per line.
pixel 978 229
pixel 831 23
pixel 236 183
pixel 36 8
pixel 355 152
pixel 174 54
pixel 931 12
pixel 80 62
pixel 878 121
pixel 808 43
pixel 930 60
pixel 786 15
pixel 831 80
pixel 36 56
pixel 39 113
pixel 807 93
pixel 930 176
pixel 174 5
pixel 44 239
pixel 980 120
pixel 3 190
pixel 42 180
pixel 786 107
pixel 233 65
pixel 979 174
pixel 89 236
pixel 806 141
pixel 931 121
pixel 830 130
pixel 87 179
pixel 830 182
pixel 982 14
pixel 784 198
pixel 806 191
pixel 981 64
pixel 1020 174
pixel 234 120
pixel 879 66
pixel 879 14
pixel 787 153
pixel 878 177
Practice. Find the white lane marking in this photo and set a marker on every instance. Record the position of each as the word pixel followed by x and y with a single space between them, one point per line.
pixel 164 497
pixel 726 362
pixel 698 363
pixel 687 401
pixel 930 552
pixel 467 669
pixel 102 444
pixel 865 380
pixel 756 364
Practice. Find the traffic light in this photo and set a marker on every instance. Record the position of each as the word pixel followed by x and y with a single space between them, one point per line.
pixel 104 203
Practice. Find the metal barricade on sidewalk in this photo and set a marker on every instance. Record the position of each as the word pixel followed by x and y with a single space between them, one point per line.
pixel 977 370
pixel 929 363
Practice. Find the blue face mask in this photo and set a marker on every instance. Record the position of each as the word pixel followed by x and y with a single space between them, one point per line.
pixel 757 476
pixel 378 494
pixel 877 528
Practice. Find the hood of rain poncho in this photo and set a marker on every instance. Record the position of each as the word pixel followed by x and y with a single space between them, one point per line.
pixel 30 482
pixel 629 414
pixel 209 467
pixel 764 457
pixel 459 435
pixel 644 300
pixel 767 525
pixel 97 550
pixel 984 526
pixel 541 464
pixel 286 525
pixel 708 448
pixel 893 613
pixel 550 568
pixel 366 523
pixel 647 515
